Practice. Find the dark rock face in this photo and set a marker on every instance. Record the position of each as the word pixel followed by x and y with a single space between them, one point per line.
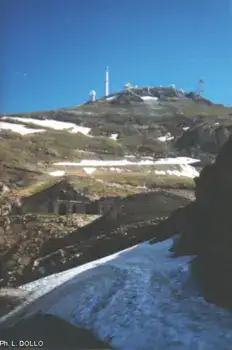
pixel 207 232
pixel 207 137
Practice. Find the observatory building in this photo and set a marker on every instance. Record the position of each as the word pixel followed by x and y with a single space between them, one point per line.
pixel 92 95
pixel 129 86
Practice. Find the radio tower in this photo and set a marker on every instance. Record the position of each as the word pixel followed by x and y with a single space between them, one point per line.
pixel 200 88
pixel 107 82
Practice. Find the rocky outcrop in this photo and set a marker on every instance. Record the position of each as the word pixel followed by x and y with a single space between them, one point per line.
pixel 206 137
pixel 21 237
pixel 213 197
pixel 205 229
pixel 8 199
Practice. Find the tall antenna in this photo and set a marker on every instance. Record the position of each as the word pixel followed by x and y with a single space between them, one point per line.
pixel 200 88
pixel 107 82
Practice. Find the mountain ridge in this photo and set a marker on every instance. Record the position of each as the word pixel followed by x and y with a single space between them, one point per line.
pixel 161 93
pixel 145 121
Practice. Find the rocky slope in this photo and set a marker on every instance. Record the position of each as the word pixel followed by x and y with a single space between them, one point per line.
pixel 148 122
pixel 155 121
pixel 38 245
pixel 188 125
pixel 202 229
pixel 22 236
pixel 205 138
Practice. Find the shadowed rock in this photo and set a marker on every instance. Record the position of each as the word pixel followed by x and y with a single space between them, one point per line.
pixel 54 332
pixel 10 298
pixel 205 228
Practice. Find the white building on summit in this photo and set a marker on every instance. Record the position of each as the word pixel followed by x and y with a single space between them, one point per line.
pixel 92 95
pixel 129 86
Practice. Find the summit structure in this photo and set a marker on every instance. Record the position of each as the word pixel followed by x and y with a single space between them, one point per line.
pixel 107 82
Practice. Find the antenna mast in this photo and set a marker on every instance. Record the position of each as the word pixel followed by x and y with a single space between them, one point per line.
pixel 200 88
pixel 107 82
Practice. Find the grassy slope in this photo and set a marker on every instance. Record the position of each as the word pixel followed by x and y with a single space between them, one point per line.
pixel 142 179
pixel 52 144
pixel 35 152
pixel 21 154
pixel 87 185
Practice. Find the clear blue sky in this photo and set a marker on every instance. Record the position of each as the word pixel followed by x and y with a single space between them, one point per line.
pixel 63 47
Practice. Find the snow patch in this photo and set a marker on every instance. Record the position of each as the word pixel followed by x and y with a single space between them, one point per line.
pixel 160 172
pixel 114 137
pixel 111 98
pixel 186 170
pixel 139 298
pixel 117 170
pixel 53 124
pixel 177 160
pixel 130 156
pixel 57 173
pixel 125 162
pixel 149 98
pixel 89 170
pixel 167 137
pixel 186 128
pixel 148 157
pixel 85 152
pixel 18 128
pixel 189 171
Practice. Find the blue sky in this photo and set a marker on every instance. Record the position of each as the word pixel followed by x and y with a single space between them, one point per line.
pixel 53 52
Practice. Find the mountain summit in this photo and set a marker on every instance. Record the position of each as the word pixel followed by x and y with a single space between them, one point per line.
pixel 154 94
